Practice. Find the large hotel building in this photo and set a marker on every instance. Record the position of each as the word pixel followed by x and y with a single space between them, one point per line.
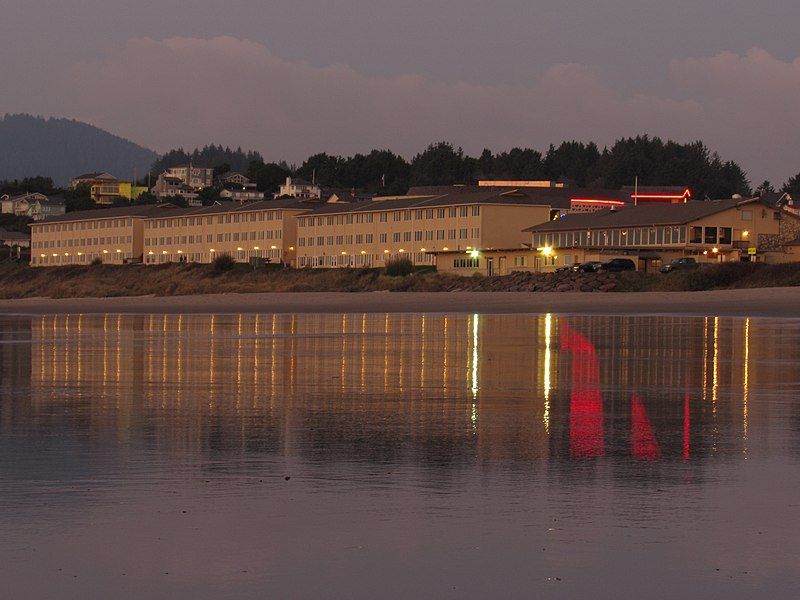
pixel 460 229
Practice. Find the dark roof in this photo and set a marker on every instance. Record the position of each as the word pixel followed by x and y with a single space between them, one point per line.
pixel 141 210
pixel 13 236
pixel 229 207
pixel 642 215
pixel 93 175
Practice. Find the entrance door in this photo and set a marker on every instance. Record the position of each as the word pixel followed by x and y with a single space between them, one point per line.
pixel 501 265
pixel 490 266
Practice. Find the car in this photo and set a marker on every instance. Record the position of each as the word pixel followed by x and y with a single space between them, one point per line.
pixel 684 263
pixel 616 265
pixel 588 267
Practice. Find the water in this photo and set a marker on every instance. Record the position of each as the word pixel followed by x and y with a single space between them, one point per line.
pixel 399 456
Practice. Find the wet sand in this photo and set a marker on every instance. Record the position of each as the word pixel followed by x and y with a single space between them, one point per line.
pixel 763 302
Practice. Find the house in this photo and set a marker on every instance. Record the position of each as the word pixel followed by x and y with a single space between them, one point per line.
pixel 104 188
pixel 298 188
pixel 14 239
pixel 193 176
pixel 238 188
pixel 168 187
pixel 710 231
pixel 35 205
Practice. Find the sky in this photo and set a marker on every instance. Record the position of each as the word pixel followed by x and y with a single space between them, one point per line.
pixel 290 78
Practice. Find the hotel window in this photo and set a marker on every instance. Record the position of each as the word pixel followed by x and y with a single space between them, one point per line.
pixel 359 238
pixel 407 215
pixel 463 211
pixel 320 240
pixel 476 232
pixel 695 235
pixel 417 236
pixel 330 240
pixel 466 263
pixel 451 212
pixel 476 211
pixel 369 238
pixel 382 238
pixel 429 235
pixel 440 213
pixel 429 213
pixel 396 237
pixel 747 215
pixel 451 234
pixel 710 235
pixel 725 235
pixel 406 236
pixel 301 242
pixel 384 217
pixel 396 215
pixel 369 217
pixel 339 240
pixel 462 234
pixel 310 241
pixel 440 234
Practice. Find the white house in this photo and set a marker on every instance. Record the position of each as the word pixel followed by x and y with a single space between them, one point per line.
pixel 298 188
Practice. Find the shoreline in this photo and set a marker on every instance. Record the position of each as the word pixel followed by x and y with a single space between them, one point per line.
pixel 755 302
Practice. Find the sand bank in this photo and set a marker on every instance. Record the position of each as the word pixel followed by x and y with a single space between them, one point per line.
pixel 764 302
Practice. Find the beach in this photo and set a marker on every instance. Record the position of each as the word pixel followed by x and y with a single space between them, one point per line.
pixel 759 302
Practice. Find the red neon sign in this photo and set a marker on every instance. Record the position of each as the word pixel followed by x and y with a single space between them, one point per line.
pixel 597 201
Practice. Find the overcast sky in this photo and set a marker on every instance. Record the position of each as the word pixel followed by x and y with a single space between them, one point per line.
pixel 292 77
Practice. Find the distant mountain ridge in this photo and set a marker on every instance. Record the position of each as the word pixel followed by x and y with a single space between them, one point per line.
pixel 64 148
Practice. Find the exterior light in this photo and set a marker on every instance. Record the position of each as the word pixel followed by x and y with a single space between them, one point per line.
pixel 118 250
pixel 386 252
pixel 546 250
pixel 291 247
pixel 343 252
pixel 54 254
pixel 239 249
pixel 274 247
pixel 66 253
pixel 705 252
pixel 163 252
pixel 715 250
pixel 256 248
pixel 474 253
pixel 150 252
pixel 180 251
pixel 401 250
pixel 445 248
pixel 104 252
pixel 41 256
pixel 212 250
pixel 422 250
pixel 80 253
pixel 469 247
pixel 745 234
pixel 363 252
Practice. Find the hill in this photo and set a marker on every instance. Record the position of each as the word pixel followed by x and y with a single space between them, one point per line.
pixel 63 148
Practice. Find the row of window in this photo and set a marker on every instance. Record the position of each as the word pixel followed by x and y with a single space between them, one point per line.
pixel 74 242
pixel 396 215
pixel 80 259
pixel 220 237
pixel 466 263
pixel 363 260
pixel 397 237
pixel 636 236
pixel 83 225
pixel 266 215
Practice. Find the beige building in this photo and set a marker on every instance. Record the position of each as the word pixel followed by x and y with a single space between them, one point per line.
pixel 710 231
pixel 266 230
pixel 113 235
pixel 195 177
pixel 370 233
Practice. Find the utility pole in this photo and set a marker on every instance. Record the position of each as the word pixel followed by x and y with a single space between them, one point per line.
pixel 636 191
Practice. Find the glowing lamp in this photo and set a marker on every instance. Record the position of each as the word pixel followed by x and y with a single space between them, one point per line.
pixel 363 252
pixel 386 252
pixel 715 250
pixel 180 251
pixel 256 248
pixel 445 248
pixel 274 247
pixel 239 249
pixel 401 250
pixel 104 252
pixel 163 252
pixel 474 253
pixel 745 234
pixel 546 250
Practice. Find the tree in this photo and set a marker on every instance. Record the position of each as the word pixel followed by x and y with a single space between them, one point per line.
pixel 267 177
pixel 439 164
pixel 572 161
pixel 792 186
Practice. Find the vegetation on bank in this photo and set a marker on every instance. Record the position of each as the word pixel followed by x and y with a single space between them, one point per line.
pixel 21 281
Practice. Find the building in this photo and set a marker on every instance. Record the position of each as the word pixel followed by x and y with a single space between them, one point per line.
pixel 265 230
pixel 113 235
pixel 521 184
pixel 104 188
pixel 168 187
pixel 653 194
pixel 710 231
pixel 372 232
pixel 14 244
pixel 195 177
pixel 35 205
pixel 238 188
pixel 298 188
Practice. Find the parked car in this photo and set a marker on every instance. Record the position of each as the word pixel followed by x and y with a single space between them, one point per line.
pixel 588 267
pixel 684 263
pixel 615 265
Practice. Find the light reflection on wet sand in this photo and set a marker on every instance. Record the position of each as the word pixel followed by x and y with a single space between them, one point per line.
pixel 426 456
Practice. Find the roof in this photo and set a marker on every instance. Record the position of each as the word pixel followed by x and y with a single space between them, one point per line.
pixel 13 236
pixel 96 175
pixel 140 210
pixel 230 207
pixel 23 196
pixel 642 215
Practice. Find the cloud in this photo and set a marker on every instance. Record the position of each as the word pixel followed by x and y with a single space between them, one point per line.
pixel 189 91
